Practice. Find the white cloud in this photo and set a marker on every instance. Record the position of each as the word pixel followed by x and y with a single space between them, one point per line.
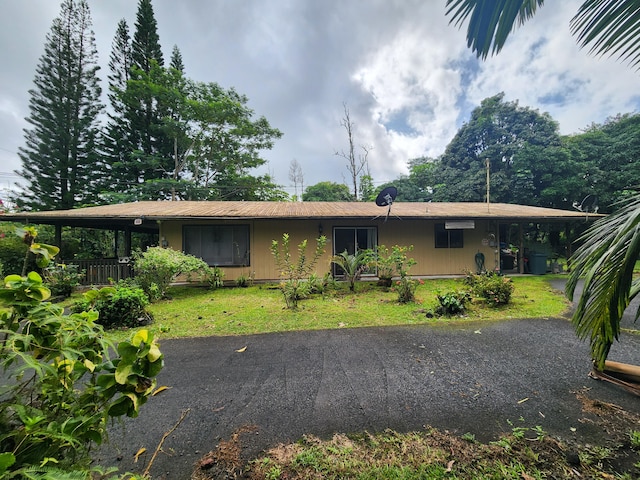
pixel 405 73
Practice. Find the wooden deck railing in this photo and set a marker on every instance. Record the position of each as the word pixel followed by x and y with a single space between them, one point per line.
pixel 103 271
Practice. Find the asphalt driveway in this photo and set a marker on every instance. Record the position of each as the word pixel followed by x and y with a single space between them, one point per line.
pixel 467 377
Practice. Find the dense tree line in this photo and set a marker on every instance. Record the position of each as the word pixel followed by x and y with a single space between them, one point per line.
pixel 165 136
pixel 529 162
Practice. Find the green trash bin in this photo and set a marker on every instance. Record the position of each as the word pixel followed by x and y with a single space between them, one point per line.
pixel 538 263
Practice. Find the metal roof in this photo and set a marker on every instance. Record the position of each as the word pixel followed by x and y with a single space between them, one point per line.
pixel 108 216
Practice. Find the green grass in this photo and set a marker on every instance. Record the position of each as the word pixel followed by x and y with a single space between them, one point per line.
pixel 525 453
pixel 194 311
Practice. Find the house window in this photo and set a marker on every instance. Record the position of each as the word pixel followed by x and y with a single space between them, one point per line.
pixel 220 245
pixel 353 239
pixel 448 238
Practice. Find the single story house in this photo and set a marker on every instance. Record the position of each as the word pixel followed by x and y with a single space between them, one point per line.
pixel 236 236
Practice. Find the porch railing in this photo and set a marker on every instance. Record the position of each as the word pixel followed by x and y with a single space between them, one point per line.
pixel 103 271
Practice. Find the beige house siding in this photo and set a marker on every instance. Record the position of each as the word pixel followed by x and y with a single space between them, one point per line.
pixel 419 233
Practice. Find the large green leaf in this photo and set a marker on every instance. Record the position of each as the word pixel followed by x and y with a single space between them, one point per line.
pixel 611 27
pixel 606 261
pixel 491 21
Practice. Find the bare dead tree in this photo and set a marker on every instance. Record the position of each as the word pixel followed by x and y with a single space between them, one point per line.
pixel 356 164
pixel 296 176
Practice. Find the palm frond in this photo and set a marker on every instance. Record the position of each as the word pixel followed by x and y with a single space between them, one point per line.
pixel 610 27
pixel 606 261
pixel 491 21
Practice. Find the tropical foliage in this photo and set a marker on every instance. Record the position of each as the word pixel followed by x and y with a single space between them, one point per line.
pixel 612 245
pixel 63 379
pixel 606 261
pixel 607 26
pixel 351 266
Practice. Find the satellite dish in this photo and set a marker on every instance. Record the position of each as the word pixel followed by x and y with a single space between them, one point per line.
pixel 386 198
pixel 588 204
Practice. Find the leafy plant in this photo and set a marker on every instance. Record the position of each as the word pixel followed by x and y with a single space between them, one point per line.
pixel 352 266
pixel 634 439
pixel 62 382
pixel 494 288
pixel 453 302
pixel 215 277
pixel 406 286
pixel 295 273
pixel 62 279
pixel 158 267
pixel 119 307
pixel 386 262
pixel 12 253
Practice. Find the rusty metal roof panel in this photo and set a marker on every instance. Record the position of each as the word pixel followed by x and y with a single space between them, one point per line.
pixel 184 210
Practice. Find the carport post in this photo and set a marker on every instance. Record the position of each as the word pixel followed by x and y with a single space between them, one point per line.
pixel 127 241
pixel 58 236
pixel 520 248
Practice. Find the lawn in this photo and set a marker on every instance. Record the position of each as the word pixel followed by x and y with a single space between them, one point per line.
pixel 196 311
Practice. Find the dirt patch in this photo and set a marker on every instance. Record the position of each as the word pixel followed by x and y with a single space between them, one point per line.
pixel 226 462
pixel 526 450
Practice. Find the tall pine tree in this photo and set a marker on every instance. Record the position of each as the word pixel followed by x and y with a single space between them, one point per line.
pixel 146 42
pixel 117 141
pixel 152 158
pixel 59 158
pixel 176 59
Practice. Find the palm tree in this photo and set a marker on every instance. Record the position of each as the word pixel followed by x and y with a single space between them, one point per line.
pixel 612 245
pixel 352 265
pixel 608 26
pixel 606 260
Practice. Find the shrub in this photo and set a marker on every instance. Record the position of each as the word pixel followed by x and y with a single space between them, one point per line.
pixel 63 381
pixel 406 287
pixel 321 284
pixel 453 303
pixel 295 274
pixel 62 279
pixel 215 277
pixel 157 267
pixel 118 307
pixel 495 289
pixel 12 254
pixel 388 263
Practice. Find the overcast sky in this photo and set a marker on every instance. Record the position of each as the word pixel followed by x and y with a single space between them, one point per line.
pixel 406 75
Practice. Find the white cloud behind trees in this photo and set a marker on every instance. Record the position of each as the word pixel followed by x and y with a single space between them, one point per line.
pixel 406 75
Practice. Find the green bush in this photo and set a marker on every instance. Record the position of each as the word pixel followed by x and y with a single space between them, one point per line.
pixel 12 254
pixel 157 267
pixel 406 286
pixel 118 307
pixel 494 288
pixel 63 381
pixel 62 279
pixel 453 303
